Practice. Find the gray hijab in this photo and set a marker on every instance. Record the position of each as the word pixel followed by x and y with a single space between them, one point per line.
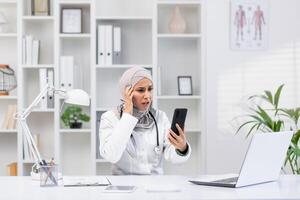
pixel 130 78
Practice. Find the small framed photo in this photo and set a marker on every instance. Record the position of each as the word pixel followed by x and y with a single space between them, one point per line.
pixel 185 85
pixel 71 20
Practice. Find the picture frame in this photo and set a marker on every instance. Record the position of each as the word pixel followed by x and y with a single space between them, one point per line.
pixel 71 20
pixel 40 7
pixel 249 24
pixel 185 85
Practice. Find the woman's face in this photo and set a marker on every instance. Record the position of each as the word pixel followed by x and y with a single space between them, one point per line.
pixel 142 94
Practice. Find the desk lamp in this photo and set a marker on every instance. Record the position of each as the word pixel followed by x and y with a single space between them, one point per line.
pixel 73 96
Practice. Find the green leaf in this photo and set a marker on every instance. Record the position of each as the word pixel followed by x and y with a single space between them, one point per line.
pixel 249 132
pixel 244 124
pixel 265 117
pixel 268 96
pixel 277 96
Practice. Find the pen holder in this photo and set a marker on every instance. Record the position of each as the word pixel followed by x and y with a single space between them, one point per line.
pixel 48 175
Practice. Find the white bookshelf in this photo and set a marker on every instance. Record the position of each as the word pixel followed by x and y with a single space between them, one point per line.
pixel 75 130
pixel 146 42
pixel 82 35
pixel 38 18
pixel 9 52
pixel 9 97
pixel 8 35
pixel 37 66
pixel 8 131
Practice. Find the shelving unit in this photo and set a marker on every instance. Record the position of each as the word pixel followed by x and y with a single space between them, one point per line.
pixel 145 41
pixel 9 53
pixel 181 54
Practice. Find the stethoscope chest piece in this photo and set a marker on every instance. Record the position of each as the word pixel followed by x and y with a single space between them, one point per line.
pixel 157 150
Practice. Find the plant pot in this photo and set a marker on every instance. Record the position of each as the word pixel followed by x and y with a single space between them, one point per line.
pixel 76 125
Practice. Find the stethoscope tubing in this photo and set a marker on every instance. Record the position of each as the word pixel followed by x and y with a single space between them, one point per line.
pixel 156 148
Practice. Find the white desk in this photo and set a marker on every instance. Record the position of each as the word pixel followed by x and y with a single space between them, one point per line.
pixel 288 187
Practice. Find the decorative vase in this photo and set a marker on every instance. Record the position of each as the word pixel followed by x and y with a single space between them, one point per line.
pixel 177 23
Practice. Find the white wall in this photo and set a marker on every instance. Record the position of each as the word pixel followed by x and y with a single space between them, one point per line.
pixel 234 75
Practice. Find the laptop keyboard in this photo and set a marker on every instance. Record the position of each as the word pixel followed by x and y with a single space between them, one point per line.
pixel 227 180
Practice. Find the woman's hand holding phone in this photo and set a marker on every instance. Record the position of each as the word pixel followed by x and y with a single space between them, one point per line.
pixel 128 105
pixel 178 141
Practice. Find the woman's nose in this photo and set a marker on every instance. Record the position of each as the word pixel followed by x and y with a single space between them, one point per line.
pixel 147 94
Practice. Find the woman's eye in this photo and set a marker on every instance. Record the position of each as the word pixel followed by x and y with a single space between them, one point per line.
pixel 150 89
pixel 141 90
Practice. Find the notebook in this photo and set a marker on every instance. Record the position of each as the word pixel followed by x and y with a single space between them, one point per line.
pixel 73 181
pixel 262 163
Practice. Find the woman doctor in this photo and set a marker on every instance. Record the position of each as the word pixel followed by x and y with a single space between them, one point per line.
pixel 135 137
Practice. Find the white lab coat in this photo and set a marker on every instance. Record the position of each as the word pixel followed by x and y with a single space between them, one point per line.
pixel 132 152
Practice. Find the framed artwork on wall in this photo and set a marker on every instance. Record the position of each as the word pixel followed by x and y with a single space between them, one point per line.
pixel 71 20
pixel 249 21
pixel 185 85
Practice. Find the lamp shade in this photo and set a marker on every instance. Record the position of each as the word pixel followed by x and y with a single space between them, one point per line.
pixel 77 97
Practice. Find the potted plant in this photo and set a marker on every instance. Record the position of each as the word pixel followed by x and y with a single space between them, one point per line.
pixel 271 117
pixel 73 117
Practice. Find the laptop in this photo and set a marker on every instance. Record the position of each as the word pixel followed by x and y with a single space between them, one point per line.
pixel 262 163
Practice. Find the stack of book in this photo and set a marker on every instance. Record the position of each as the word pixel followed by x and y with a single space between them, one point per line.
pixel 9 121
pixel 30 50
pixel 12 169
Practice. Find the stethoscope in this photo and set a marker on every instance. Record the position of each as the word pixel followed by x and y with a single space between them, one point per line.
pixel 156 149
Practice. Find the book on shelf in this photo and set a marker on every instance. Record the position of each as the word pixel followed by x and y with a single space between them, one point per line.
pixel 30 50
pixel 9 121
pixel 12 169
pixel 35 51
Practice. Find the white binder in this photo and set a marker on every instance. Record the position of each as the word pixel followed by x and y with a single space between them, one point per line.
pixel 101 44
pixel 117 45
pixel 50 95
pixel 43 82
pixel 108 45
pixel 66 72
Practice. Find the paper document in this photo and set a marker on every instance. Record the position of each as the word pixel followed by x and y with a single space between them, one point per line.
pixel 70 181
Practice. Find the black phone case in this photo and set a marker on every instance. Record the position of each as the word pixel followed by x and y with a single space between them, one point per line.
pixel 179 118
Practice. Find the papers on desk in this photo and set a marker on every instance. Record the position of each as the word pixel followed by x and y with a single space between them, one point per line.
pixel 73 181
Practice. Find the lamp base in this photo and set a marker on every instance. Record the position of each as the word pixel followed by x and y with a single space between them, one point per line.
pixel 4 93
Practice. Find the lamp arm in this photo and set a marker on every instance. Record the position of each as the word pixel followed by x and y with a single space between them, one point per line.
pixel 31 143
pixel 36 101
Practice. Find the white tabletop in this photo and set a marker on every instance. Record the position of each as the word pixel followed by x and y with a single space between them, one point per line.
pixel 288 187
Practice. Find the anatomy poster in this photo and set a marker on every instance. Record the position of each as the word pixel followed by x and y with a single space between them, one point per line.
pixel 249 24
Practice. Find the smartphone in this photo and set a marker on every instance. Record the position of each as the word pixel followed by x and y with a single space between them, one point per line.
pixel 178 118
